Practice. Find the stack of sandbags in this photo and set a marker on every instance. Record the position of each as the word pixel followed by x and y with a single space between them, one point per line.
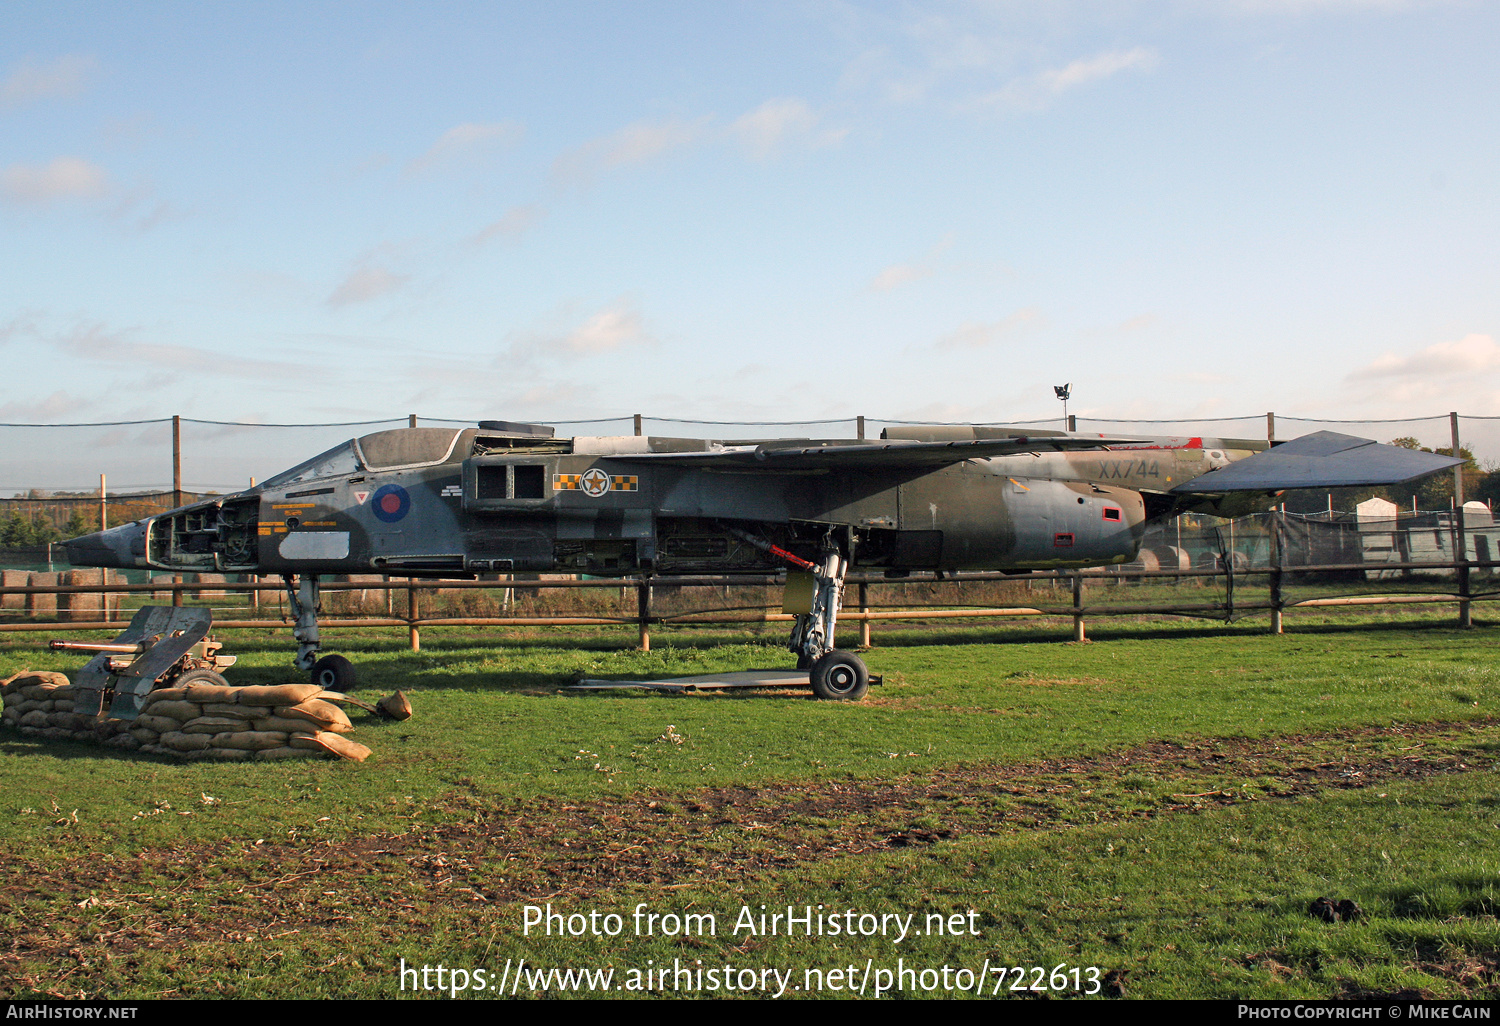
pixel 41 703
pixel 196 721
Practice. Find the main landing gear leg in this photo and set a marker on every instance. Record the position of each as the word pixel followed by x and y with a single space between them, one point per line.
pixel 836 675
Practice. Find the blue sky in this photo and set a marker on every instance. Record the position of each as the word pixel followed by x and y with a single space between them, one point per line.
pixel 758 211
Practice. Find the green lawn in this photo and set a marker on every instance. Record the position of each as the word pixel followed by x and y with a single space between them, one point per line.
pixel 1163 802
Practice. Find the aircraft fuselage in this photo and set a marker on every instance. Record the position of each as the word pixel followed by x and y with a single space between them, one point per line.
pixel 443 503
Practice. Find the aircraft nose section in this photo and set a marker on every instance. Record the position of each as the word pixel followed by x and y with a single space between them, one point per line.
pixel 123 546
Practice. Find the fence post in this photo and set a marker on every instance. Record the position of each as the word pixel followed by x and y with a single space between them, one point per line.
pixel 864 607
pixel 1276 560
pixel 643 612
pixel 638 424
pixel 411 616
pixel 1460 539
pixel 1078 607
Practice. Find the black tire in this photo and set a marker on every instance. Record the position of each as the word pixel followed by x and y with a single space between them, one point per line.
pixel 840 676
pixel 204 676
pixel 334 673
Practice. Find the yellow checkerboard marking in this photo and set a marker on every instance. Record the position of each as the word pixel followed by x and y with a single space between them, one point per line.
pixel 617 482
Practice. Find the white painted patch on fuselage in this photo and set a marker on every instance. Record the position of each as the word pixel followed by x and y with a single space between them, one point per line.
pixel 315 545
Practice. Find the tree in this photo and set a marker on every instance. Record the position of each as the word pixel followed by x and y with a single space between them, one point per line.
pixel 77 524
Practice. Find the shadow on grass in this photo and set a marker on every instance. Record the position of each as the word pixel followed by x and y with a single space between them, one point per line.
pixel 12 743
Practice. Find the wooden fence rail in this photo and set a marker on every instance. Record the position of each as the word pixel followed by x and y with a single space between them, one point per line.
pixel 114 616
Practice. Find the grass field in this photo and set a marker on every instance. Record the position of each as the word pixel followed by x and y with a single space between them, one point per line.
pixel 1150 814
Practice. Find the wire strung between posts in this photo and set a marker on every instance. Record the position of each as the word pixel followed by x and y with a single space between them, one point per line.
pixel 101 423
pixel 341 423
pixel 767 423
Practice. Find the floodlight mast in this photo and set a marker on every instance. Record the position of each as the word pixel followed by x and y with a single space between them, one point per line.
pixel 1062 392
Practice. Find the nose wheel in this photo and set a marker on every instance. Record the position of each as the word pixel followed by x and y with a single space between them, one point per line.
pixel 334 673
pixel 330 672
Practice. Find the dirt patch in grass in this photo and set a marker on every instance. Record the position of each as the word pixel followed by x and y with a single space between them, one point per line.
pixel 476 852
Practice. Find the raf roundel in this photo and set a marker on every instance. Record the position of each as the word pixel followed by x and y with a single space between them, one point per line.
pixel 390 503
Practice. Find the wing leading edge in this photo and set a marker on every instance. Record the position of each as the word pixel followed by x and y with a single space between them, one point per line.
pixel 897 453
pixel 1325 459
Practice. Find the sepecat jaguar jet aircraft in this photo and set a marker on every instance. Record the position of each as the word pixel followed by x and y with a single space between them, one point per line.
pixel 503 497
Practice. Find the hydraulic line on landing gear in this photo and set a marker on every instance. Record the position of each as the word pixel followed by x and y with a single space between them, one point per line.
pixel 775 550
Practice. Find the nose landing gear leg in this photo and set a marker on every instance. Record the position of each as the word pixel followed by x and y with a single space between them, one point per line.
pixel 331 672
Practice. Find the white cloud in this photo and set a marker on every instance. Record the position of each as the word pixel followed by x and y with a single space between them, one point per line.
pixel 1472 354
pixel 897 275
pixel 606 330
pixel 516 221
pixel 366 283
pixel 633 144
pixel 979 335
pixel 613 328
pixel 781 122
pixel 30 81
pixel 463 140
pixel 1137 323
pixel 1035 92
pixel 62 178
pixel 1312 6
pixel 57 405
pixel 96 342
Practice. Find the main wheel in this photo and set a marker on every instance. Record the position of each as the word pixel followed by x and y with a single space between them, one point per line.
pixel 840 676
pixel 334 673
pixel 203 676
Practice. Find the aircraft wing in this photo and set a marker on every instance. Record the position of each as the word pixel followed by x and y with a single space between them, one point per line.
pixel 1325 459
pixel 874 454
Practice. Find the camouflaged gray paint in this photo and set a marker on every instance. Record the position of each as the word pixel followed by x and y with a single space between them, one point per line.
pixel 1026 510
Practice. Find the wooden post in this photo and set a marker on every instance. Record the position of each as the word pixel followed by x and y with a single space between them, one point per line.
pixel 176 490
pixel 1072 422
pixel 859 432
pixel 411 616
pixel 1078 608
pixel 103 514
pixel 1270 429
pixel 643 612
pixel 1276 561
pixel 176 461
pixel 1460 537
pixel 864 607
pixel 638 424
pixel 411 420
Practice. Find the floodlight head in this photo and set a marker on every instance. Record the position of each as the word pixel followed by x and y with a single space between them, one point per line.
pixel 1062 391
